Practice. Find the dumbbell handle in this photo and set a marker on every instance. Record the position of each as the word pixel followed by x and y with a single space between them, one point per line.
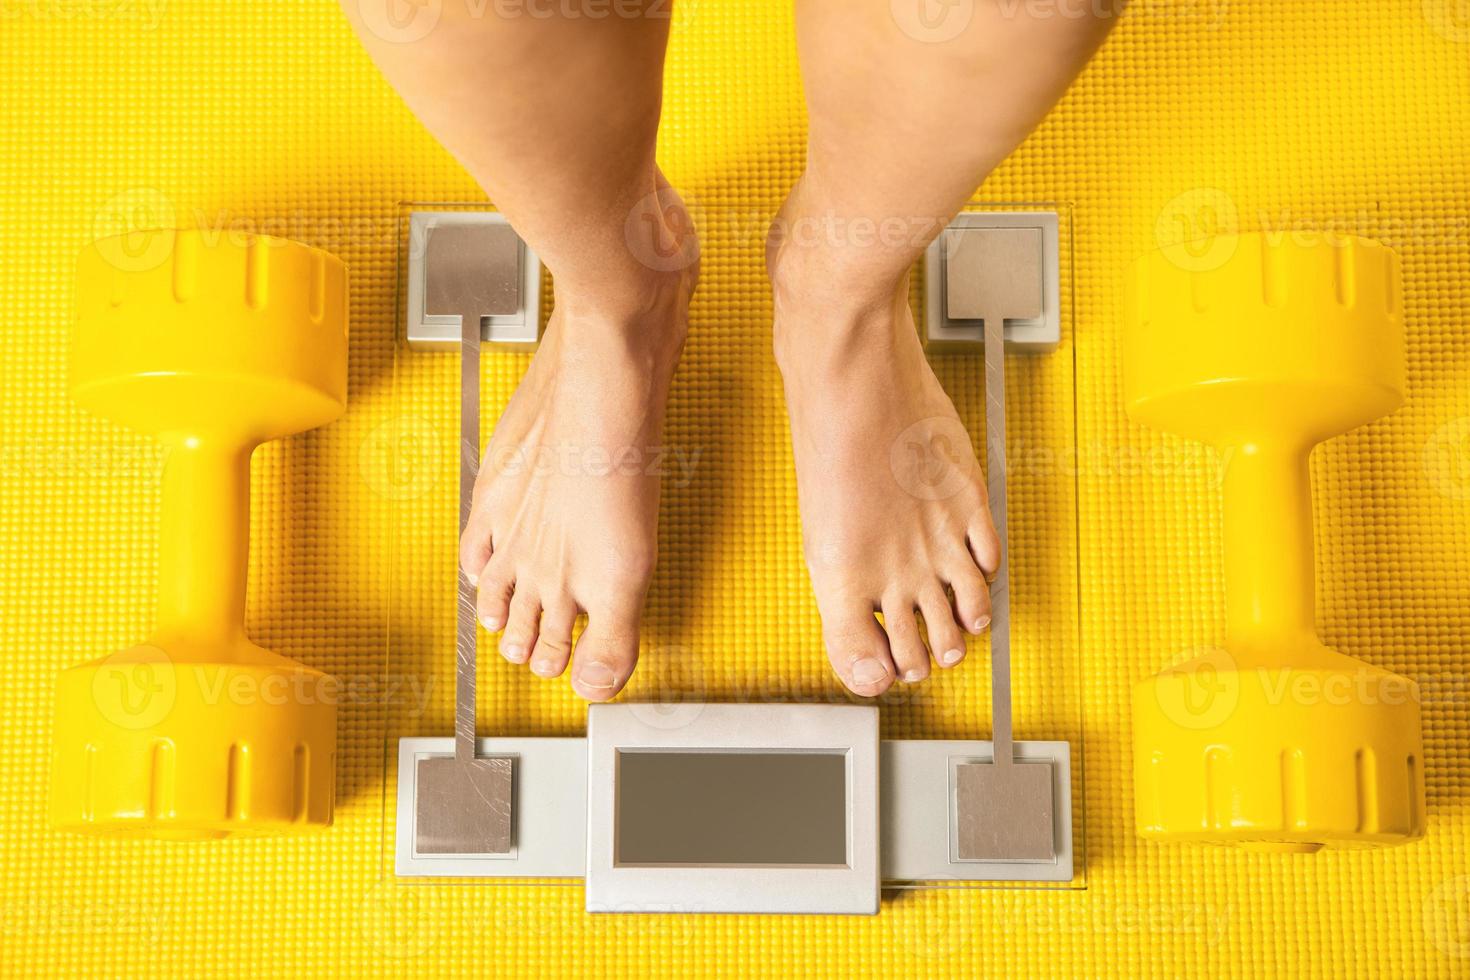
pixel 1270 578
pixel 204 540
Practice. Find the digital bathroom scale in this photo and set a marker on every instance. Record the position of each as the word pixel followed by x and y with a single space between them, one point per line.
pixel 717 807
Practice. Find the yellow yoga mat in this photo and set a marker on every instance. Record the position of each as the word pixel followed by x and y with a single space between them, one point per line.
pixel 1299 117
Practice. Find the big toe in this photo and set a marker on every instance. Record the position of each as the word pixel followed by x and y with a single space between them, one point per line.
pixel 605 656
pixel 858 649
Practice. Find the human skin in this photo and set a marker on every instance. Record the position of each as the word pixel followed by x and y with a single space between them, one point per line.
pixel 907 117
pixel 556 118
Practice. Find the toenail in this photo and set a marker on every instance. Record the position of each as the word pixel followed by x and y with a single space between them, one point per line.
pixel 543 668
pixel 869 671
pixel 491 623
pixel 596 675
pixel 913 677
pixel 951 657
pixel 514 652
pixel 981 623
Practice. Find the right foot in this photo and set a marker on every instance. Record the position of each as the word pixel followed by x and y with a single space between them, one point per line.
pixel 893 506
pixel 565 512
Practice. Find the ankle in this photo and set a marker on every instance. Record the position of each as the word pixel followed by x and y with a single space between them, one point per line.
pixel 638 265
pixel 847 285
pixel 629 293
pixel 831 289
pixel 826 306
pixel 641 314
pixel 819 242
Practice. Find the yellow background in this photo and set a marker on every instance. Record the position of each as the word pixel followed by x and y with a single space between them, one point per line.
pixel 1299 116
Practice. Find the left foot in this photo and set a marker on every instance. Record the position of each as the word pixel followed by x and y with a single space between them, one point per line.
pixel 893 504
pixel 565 512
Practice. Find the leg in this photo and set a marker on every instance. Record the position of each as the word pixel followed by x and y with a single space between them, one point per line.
pixel 903 129
pixel 555 117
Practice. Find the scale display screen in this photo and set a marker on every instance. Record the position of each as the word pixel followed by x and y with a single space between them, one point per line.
pixel 731 809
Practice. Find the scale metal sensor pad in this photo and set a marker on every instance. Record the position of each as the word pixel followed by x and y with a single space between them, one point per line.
pixel 730 807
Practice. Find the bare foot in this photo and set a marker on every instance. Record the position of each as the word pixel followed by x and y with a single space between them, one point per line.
pixel 565 513
pixel 893 505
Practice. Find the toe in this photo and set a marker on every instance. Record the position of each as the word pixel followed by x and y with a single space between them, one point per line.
pixel 945 638
pixel 554 642
pixel 971 600
pixel 492 601
pixel 474 544
pixel 858 649
pixel 983 542
pixel 606 653
pixel 521 628
pixel 904 642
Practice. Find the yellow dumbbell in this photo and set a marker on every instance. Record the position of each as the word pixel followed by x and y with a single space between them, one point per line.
pixel 215 346
pixel 1275 741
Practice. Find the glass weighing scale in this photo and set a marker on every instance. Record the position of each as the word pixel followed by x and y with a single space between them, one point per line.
pixel 801 802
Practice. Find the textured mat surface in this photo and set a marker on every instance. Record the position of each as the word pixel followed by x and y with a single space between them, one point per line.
pixel 1300 116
